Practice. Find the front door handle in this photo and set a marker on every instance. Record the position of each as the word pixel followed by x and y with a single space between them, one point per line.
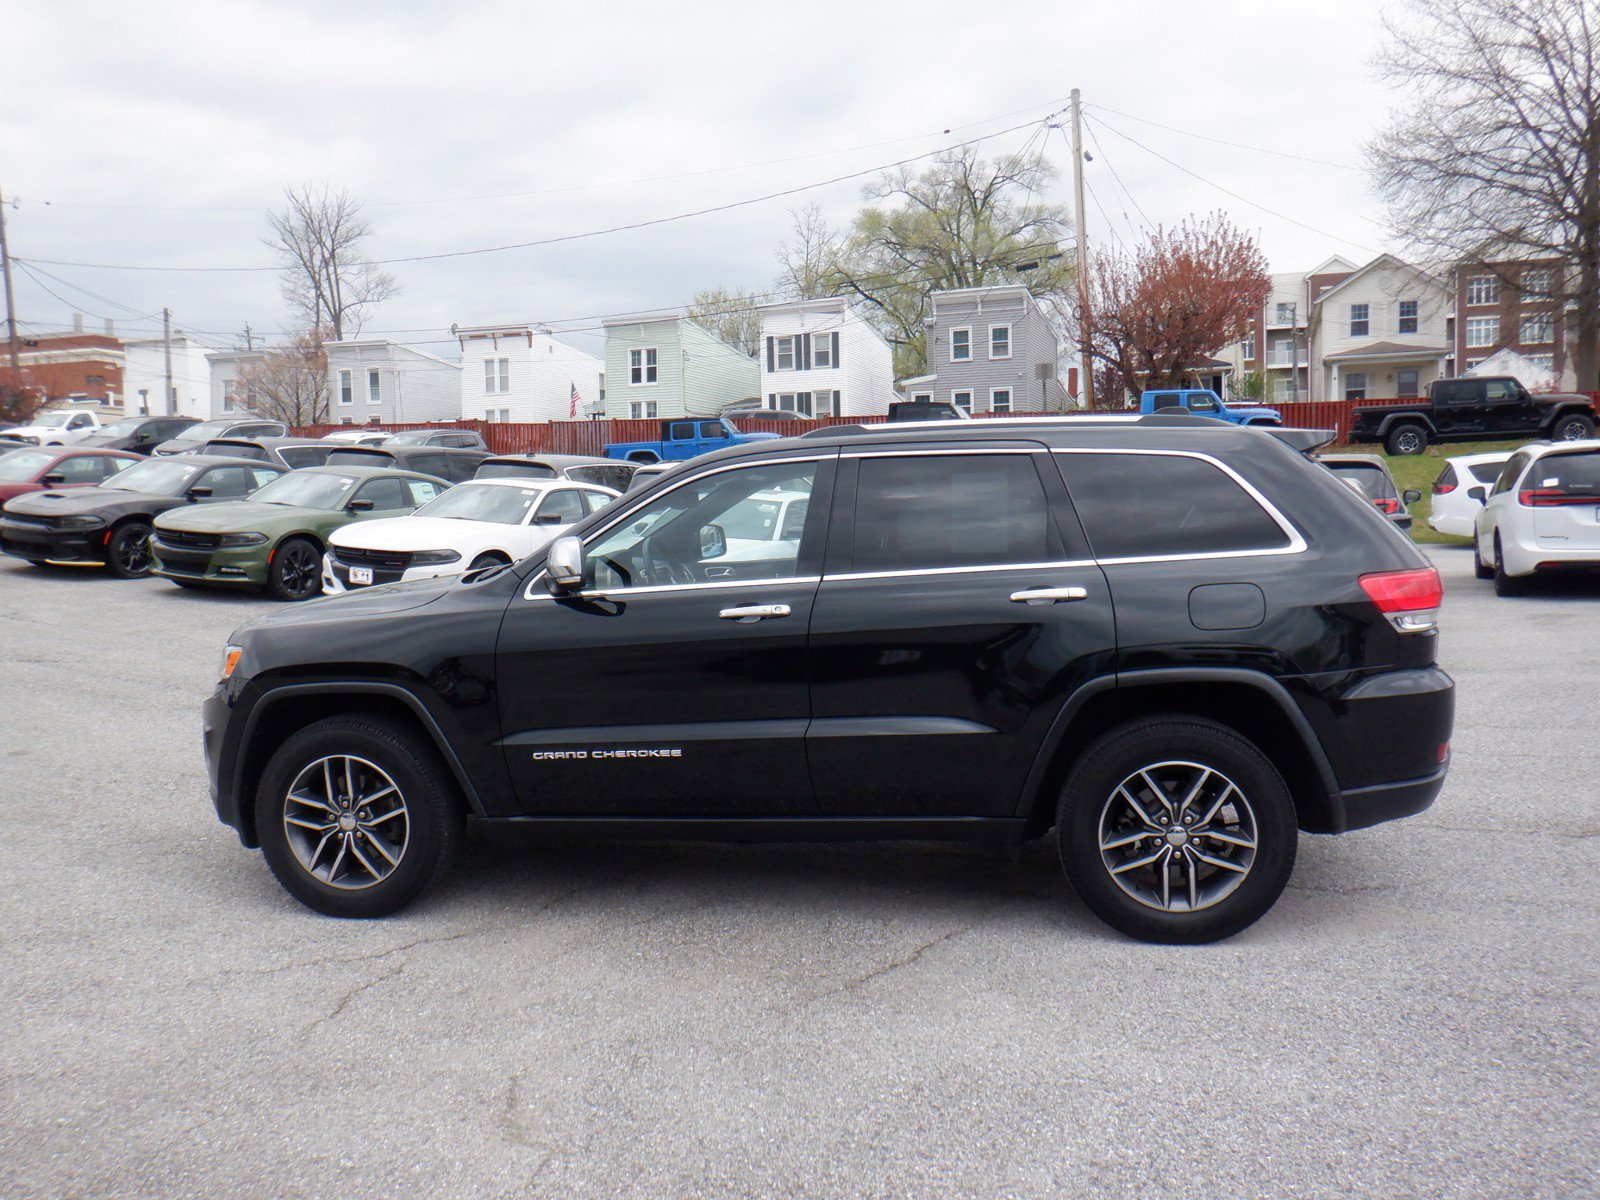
pixel 748 613
pixel 1048 595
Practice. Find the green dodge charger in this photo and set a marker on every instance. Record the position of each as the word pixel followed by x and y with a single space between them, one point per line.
pixel 274 540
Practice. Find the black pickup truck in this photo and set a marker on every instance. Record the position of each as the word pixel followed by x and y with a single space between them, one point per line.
pixel 1472 410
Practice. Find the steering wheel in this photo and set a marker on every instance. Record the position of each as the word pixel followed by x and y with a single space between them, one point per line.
pixel 659 567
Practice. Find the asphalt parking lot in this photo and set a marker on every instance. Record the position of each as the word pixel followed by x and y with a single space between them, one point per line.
pixel 1417 1017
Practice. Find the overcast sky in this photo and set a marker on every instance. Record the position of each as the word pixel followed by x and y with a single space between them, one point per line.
pixel 159 134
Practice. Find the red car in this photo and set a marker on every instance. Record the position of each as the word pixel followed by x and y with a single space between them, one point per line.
pixel 34 469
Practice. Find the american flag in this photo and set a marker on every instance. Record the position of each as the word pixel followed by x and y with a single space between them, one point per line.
pixel 572 408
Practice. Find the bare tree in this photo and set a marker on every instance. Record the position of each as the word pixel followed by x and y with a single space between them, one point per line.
pixel 327 280
pixel 289 383
pixel 806 261
pixel 731 314
pixel 1497 154
pixel 1176 298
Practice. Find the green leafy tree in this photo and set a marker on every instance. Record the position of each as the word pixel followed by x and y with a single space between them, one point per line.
pixel 731 314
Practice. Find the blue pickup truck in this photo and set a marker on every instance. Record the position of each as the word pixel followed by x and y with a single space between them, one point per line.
pixel 1203 402
pixel 685 437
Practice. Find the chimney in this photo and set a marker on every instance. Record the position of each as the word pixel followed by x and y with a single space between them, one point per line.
pixel 111 327
pixel 77 322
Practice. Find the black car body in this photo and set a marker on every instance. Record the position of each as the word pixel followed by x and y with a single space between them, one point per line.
pixel 1474 409
pixel 459 439
pixel 139 435
pixel 290 453
pixel 452 464
pixel 580 468
pixel 110 523
pixel 972 616
pixel 190 439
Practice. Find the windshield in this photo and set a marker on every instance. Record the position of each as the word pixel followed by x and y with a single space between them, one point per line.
pixel 124 428
pixel 307 489
pixel 24 465
pixel 52 420
pixel 204 431
pixel 1371 480
pixel 157 476
pixel 502 505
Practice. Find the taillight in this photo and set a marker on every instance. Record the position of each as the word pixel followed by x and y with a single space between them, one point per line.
pixel 1410 599
pixel 1443 489
pixel 1390 505
pixel 1552 498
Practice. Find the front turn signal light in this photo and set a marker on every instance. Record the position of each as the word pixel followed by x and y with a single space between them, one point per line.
pixel 230 660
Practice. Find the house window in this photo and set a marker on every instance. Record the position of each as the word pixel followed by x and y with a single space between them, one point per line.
pixel 1355 385
pixel 962 400
pixel 488 415
pixel 505 416
pixel 374 386
pixel 822 349
pixel 1408 318
pixel 795 402
pixel 1538 285
pixel 921 397
pixel 1000 400
pixel 784 353
pixel 1358 320
pixel 1538 329
pixel 347 390
pixel 1483 331
pixel 642 367
pixel 1545 362
pixel 827 404
pixel 1405 384
pixel 1283 314
pixel 1247 348
pixel 961 345
pixel 1483 289
pixel 642 410
pixel 1474 362
pixel 496 375
pixel 999 341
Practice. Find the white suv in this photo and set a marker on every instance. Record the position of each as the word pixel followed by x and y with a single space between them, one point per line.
pixel 1461 489
pixel 1542 516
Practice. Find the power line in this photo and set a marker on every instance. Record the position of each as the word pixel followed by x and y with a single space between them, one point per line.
pixel 1224 142
pixel 573 237
pixel 1105 158
pixel 137 316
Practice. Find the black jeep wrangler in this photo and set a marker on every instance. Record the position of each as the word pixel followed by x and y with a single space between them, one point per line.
pixel 1472 410
pixel 1175 641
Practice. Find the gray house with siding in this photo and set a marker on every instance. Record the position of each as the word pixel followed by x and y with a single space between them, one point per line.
pixel 668 366
pixel 991 349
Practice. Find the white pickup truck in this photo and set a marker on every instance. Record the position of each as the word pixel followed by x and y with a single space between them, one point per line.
pixel 60 427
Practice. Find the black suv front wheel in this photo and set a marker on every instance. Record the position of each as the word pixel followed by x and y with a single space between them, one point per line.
pixel 1176 830
pixel 355 819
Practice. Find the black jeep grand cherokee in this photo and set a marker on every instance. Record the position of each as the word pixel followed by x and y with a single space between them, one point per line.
pixel 1174 640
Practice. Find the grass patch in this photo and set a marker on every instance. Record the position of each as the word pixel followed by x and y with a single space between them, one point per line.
pixel 1419 471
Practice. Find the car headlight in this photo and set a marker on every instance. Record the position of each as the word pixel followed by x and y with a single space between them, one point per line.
pixel 243 539
pixel 31 439
pixel 85 522
pixel 434 558
pixel 230 662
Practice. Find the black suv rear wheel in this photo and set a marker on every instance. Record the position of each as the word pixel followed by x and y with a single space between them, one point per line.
pixel 354 819
pixel 1176 829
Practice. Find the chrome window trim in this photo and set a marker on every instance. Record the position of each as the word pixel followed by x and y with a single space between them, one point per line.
pixel 708 585
pixel 602 530
pixel 913 572
pixel 1297 543
pixel 942 452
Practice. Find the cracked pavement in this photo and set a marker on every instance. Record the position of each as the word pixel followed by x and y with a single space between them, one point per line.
pixel 1417 1017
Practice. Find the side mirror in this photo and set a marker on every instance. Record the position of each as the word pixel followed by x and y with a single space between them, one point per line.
pixel 1480 494
pixel 360 506
pixel 713 542
pixel 564 564
pixel 1410 496
pixel 52 479
pixel 198 493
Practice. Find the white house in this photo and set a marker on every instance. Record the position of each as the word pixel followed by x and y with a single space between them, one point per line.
pixel 144 377
pixel 821 358
pixel 1384 330
pixel 666 365
pixel 226 393
pixel 521 373
pixel 1533 374
pixel 375 381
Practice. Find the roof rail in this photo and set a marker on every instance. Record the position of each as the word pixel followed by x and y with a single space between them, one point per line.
pixel 1052 420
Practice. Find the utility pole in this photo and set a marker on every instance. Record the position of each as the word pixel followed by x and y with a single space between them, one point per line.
pixel 249 337
pixel 11 304
pixel 166 338
pixel 1085 371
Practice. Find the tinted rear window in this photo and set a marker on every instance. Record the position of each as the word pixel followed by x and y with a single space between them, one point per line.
pixel 494 470
pixel 360 458
pixel 1147 505
pixel 1566 474
pixel 1487 472
pixel 1374 484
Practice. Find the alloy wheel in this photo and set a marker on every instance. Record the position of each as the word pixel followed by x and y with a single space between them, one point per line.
pixel 346 822
pixel 1177 836
pixel 299 570
pixel 1407 443
pixel 132 553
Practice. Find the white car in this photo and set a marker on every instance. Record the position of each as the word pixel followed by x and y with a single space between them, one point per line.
pixel 360 435
pixel 61 427
pixel 473 525
pixel 1543 515
pixel 1461 489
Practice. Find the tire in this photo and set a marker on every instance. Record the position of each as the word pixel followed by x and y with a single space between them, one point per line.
pixel 128 551
pixel 1575 427
pixel 295 572
pixel 331 866
pixel 1478 569
pixel 1205 901
pixel 1506 585
pixel 1406 439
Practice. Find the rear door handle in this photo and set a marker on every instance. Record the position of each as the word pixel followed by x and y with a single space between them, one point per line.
pixel 1037 596
pixel 749 613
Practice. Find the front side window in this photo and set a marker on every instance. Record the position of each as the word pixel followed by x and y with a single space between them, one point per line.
pixel 1538 328
pixel 1483 331
pixel 1408 316
pixel 1355 385
pixel 1358 320
pixel 347 390
pixel 960 345
pixel 84 468
pixel 1510 473
pixel 1165 505
pixel 999 341
pixel 228 483
pixel 1483 289
pixel 698 526
pixel 642 366
pixel 562 507
pixel 385 494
